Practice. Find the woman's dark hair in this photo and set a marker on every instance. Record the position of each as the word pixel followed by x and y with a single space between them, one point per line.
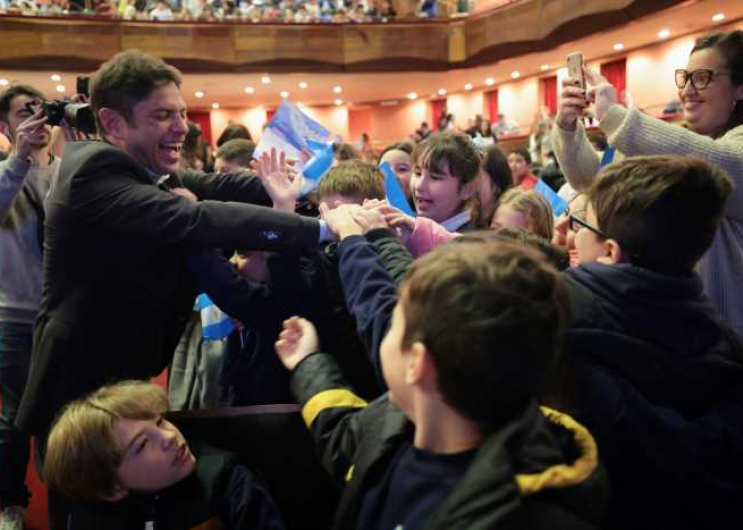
pixel 495 164
pixel 234 130
pixel 405 147
pixel 192 137
pixel 189 152
pixel 730 45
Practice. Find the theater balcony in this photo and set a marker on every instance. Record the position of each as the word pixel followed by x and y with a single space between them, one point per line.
pixel 493 32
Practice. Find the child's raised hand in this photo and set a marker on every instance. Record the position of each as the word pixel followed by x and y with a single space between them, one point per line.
pixel 369 219
pixel 296 341
pixel 397 219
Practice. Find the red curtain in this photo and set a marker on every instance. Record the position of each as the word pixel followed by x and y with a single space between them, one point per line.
pixel 549 93
pixel 203 120
pixel 616 73
pixel 491 103
pixel 437 107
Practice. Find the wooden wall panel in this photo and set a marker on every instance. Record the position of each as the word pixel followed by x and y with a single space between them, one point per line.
pixel 514 29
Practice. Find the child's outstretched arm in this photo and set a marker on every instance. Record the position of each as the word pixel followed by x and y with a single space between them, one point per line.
pixel 331 410
pixel 370 291
pixel 245 301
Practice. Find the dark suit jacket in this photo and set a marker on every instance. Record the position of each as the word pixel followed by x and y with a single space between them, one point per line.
pixel 116 292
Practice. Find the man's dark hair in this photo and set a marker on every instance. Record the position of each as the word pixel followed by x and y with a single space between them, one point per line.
pixel 492 316
pixel 232 132
pixel 126 79
pixel 662 210
pixel 12 92
pixel 523 152
pixel 354 179
pixel 454 150
pixel 238 151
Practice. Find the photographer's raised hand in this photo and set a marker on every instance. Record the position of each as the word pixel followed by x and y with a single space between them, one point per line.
pixel 572 104
pixel 70 133
pixel 31 134
pixel 602 93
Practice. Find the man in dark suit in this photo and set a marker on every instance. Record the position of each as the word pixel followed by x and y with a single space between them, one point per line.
pixel 116 293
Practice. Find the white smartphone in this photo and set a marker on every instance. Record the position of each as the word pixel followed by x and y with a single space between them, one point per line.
pixel 575 68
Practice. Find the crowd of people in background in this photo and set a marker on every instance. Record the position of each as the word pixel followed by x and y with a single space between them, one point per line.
pixel 469 357
pixel 300 11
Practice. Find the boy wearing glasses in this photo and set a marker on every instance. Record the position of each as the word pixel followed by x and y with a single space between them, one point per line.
pixel 654 371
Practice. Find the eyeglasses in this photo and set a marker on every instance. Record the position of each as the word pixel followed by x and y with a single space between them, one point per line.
pixel 576 223
pixel 700 78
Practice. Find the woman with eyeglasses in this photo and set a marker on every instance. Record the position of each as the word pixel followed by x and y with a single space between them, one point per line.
pixel 711 93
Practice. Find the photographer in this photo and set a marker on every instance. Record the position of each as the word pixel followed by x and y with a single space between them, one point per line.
pixel 117 293
pixel 25 179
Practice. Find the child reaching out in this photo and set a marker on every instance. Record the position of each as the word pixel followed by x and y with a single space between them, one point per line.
pixel 459 440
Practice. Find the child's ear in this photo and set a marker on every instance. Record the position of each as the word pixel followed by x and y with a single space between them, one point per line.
pixel 117 494
pixel 614 253
pixel 421 369
pixel 415 363
pixel 466 191
pixel 5 128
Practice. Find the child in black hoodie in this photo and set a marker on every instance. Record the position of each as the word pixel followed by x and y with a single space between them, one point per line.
pixel 654 372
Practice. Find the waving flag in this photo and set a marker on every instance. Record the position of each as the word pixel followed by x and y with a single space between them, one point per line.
pixel 395 194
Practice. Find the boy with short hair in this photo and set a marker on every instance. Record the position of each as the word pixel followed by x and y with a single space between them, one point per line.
pixel 234 155
pixel 459 441
pixel 304 283
pixel 657 373
pixel 128 468
pixel 519 160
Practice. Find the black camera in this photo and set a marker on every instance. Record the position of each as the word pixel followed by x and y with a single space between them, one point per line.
pixel 77 115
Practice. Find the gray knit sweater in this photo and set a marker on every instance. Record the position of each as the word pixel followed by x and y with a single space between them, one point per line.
pixel 20 248
pixel 633 133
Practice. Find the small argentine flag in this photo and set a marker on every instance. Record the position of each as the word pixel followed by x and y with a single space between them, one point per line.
pixel 556 202
pixel 215 324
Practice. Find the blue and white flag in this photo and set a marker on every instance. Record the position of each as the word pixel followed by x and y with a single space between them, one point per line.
pixel 556 202
pixel 317 166
pixel 215 324
pixel 395 194
pixel 296 134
